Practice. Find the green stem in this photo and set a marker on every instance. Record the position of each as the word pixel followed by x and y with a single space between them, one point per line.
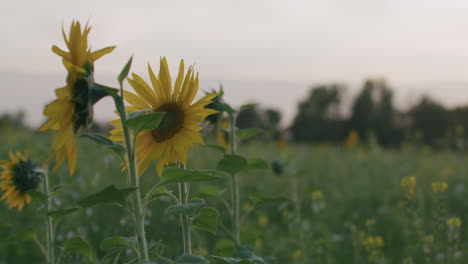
pixel 49 221
pixel 235 184
pixel 188 223
pixel 181 218
pixel 43 250
pixel 133 178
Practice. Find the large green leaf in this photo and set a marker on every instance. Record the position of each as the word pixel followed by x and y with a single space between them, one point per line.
pixel 191 259
pixel 248 133
pixel 232 164
pixel 110 194
pixel 206 219
pixel 208 191
pixel 189 209
pixel 224 260
pixel 225 247
pixel 99 91
pixel 175 175
pixel 161 191
pixel 57 214
pixel 145 122
pixel 126 69
pixel 117 242
pixel 27 234
pixel 78 246
pixel 104 141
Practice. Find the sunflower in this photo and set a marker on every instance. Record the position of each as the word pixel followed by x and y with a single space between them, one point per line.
pixel 72 109
pixel 19 175
pixel 179 128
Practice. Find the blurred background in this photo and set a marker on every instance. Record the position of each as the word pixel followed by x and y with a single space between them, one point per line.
pixel 269 52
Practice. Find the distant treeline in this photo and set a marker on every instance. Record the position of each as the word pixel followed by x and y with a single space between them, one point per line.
pixel 372 117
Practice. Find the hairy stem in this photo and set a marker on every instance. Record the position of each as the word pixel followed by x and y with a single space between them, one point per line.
pixel 235 185
pixel 133 179
pixel 49 221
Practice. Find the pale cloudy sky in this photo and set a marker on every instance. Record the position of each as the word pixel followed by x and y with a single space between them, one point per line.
pixel 261 50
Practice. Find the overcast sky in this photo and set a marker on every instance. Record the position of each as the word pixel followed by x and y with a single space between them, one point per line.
pixel 266 51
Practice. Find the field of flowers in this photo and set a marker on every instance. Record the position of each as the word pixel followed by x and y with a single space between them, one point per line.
pixel 154 189
pixel 330 205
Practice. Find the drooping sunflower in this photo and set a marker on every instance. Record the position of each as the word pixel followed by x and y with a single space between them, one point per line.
pixel 72 109
pixel 18 176
pixel 179 128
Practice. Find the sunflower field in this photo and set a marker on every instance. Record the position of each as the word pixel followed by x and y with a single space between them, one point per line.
pixel 175 181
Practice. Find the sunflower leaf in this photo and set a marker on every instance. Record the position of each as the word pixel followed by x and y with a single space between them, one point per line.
pixel 223 260
pixel 175 175
pixel 227 108
pixel 99 91
pixel 78 246
pixel 248 133
pixel 189 209
pixel 28 234
pixel 206 219
pixel 191 259
pixel 126 69
pixel 118 242
pixel 247 106
pixel 57 214
pixel 145 122
pixel 232 164
pixel 110 194
pixel 101 140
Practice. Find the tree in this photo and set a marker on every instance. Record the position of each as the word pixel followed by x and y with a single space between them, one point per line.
pixel 317 118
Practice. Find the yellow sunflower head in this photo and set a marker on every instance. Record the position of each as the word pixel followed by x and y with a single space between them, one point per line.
pixel 73 107
pixel 18 176
pixel 179 129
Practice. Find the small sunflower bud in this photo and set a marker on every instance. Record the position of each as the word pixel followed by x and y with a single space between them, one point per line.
pixel 278 167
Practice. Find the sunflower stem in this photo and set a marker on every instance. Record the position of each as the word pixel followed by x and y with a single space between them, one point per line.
pixel 188 223
pixel 235 185
pixel 133 178
pixel 181 219
pixel 49 221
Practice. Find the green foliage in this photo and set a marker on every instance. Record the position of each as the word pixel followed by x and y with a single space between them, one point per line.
pixel 232 164
pixel 125 70
pixel 57 214
pixel 206 219
pixel 191 259
pixel 104 141
pixel 189 209
pixel 78 246
pixel 144 121
pixel 176 175
pixel 109 194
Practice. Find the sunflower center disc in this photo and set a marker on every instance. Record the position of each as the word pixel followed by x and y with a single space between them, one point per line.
pixel 171 123
pixel 24 176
